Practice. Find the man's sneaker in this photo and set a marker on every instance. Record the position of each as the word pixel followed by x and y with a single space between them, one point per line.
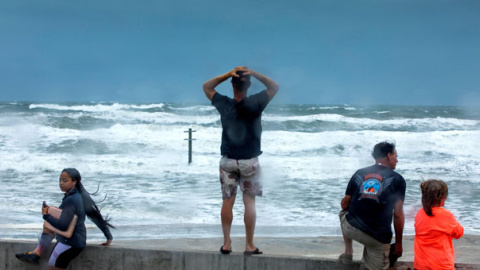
pixel 29 257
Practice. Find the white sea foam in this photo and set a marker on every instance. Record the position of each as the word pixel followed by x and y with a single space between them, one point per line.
pixel 196 108
pixel 344 107
pixel 139 155
pixel 368 123
pixel 96 107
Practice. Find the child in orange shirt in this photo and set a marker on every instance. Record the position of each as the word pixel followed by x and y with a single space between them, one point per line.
pixel 434 229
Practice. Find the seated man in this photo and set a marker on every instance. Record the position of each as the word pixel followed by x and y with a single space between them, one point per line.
pixel 374 196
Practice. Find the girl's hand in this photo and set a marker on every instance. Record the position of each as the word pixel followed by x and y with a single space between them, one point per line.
pixel 44 210
pixel 106 244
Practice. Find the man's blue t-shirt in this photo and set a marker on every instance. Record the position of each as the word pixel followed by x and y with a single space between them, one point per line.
pixel 241 123
pixel 374 191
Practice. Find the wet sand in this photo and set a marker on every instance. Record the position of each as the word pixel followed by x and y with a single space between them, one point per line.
pixel 467 249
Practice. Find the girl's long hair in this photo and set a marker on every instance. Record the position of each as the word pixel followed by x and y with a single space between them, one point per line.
pixel 91 208
pixel 433 191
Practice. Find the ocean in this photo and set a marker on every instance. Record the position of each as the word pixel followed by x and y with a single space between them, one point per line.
pixel 136 157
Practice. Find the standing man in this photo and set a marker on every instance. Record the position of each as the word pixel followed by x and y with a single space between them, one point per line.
pixel 374 197
pixel 241 136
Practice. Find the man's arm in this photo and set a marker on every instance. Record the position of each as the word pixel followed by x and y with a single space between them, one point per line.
pixel 398 224
pixel 209 86
pixel 272 86
pixel 345 204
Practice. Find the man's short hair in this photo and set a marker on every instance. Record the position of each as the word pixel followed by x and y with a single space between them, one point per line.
pixel 242 82
pixel 381 150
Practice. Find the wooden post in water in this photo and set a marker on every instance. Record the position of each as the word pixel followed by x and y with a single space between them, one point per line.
pixel 190 144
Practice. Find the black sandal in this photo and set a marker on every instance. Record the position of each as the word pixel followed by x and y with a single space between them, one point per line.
pixel 226 252
pixel 255 252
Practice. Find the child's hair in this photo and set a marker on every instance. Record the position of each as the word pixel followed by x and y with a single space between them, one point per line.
pixel 433 191
pixel 91 208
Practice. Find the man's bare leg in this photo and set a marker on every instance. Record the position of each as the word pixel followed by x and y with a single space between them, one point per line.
pixel 227 218
pixel 250 218
pixel 347 256
pixel 348 245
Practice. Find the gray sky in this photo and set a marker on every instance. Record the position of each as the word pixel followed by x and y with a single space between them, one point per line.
pixel 406 52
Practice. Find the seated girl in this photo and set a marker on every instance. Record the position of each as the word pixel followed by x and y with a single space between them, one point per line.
pixel 68 223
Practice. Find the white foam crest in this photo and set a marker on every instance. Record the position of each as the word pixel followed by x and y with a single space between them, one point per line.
pixel 456 142
pixel 25 226
pixel 156 117
pixel 168 137
pixel 438 122
pixel 25 162
pixel 26 135
pixel 280 216
pixel 347 108
pixel 124 116
pixel 96 107
pixel 149 163
pixel 147 146
pixel 284 142
pixel 323 108
pixel 145 174
pixel 190 212
pixel 419 153
pixel 201 108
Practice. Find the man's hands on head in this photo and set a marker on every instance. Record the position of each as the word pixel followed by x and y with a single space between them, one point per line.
pixel 233 73
pixel 209 86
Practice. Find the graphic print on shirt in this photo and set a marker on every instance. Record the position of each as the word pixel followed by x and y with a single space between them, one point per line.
pixel 372 186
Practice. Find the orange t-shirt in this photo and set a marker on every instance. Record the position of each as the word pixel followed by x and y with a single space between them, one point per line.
pixel 433 245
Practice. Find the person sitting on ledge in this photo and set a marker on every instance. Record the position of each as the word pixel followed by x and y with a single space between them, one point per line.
pixel 68 224
pixel 374 196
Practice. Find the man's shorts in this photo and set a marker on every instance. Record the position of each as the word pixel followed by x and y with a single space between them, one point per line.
pixel 375 253
pixel 243 172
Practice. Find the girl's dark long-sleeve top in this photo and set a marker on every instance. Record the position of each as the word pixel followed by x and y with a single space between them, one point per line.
pixel 72 204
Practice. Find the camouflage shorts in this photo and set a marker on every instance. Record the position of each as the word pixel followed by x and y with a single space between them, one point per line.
pixel 243 172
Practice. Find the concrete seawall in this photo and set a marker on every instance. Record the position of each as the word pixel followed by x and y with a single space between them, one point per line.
pixel 123 258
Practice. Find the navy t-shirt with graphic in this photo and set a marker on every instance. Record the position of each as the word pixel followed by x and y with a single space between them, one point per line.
pixel 241 123
pixel 374 191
